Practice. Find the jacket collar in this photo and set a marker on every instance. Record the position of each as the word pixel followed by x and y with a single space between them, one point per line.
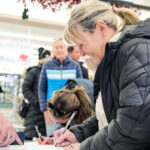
pixel 141 30
pixel 66 60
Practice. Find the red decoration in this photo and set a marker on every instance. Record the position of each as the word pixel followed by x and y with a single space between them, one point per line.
pixel 23 57
pixel 53 4
pixel 119 5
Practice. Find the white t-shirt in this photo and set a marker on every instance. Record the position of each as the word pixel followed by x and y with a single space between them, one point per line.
pixel 100 114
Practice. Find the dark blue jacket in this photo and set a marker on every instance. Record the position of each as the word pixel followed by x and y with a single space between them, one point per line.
pixel 124 81
pixel 53 77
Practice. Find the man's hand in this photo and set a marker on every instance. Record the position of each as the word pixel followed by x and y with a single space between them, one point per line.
pixel 7 132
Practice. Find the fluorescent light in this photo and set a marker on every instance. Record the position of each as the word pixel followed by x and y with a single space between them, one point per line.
pixel 25 36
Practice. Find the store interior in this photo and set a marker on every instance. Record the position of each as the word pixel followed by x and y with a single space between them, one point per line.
pixel 19 42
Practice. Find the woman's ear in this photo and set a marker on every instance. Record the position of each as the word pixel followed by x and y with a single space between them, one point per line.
pixel 102 27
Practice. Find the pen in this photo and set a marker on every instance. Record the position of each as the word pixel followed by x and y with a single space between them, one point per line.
pixel 39 134
pixel 68 123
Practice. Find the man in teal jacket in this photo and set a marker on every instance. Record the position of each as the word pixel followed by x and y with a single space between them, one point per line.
pixel 54 75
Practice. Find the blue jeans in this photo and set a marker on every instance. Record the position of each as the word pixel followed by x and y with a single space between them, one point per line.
pixel 50 128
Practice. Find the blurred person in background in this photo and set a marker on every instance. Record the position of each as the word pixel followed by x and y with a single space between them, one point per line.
pixel 7 132
pixel 74 53
pixel 30 91
pixel 64 103
pixel 53 77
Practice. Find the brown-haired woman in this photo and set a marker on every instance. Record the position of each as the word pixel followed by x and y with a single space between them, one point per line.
pixel 62 105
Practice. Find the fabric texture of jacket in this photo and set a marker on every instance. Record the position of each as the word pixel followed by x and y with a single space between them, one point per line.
pixel 54 76
pixel 84 71
pixel 34 115
pixel 124 81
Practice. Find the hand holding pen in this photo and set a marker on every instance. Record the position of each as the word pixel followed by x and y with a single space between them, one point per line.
pixel 38 132
pixel 64 137
pixel 43 140
pixel 46 141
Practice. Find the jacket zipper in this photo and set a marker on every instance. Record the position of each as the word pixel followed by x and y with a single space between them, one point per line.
pixel 61 74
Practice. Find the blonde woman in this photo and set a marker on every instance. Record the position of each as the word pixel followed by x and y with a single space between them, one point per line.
pixel 122 77
pixel 64 102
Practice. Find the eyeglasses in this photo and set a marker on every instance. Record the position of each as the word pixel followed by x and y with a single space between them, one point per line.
pixel 58 112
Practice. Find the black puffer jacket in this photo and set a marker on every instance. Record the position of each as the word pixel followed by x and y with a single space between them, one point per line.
pixel 34 115
pixel 124 81
pixel 84 71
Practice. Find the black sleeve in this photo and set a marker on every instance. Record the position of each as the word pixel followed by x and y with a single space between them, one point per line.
pixel 84 73
pixel 28 85
pixel 131 128
pixel 88 128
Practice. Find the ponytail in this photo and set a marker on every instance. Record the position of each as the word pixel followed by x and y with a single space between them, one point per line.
pixel 127 16
pixel 64 102
pixel 85 108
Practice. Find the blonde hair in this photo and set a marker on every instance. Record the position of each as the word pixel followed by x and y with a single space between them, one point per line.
pixel 67 101
pixel 43 60
pixel 86 15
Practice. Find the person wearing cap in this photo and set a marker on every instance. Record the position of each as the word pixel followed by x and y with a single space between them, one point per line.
pixel 30 91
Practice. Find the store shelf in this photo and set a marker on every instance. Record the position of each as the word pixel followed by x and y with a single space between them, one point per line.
pixel 10 84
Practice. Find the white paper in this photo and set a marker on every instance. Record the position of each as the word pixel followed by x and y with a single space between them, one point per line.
pixel 31 146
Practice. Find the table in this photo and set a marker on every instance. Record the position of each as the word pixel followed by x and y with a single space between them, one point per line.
pixel 31 146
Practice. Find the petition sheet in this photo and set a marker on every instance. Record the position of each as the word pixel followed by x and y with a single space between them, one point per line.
pixel 31 146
